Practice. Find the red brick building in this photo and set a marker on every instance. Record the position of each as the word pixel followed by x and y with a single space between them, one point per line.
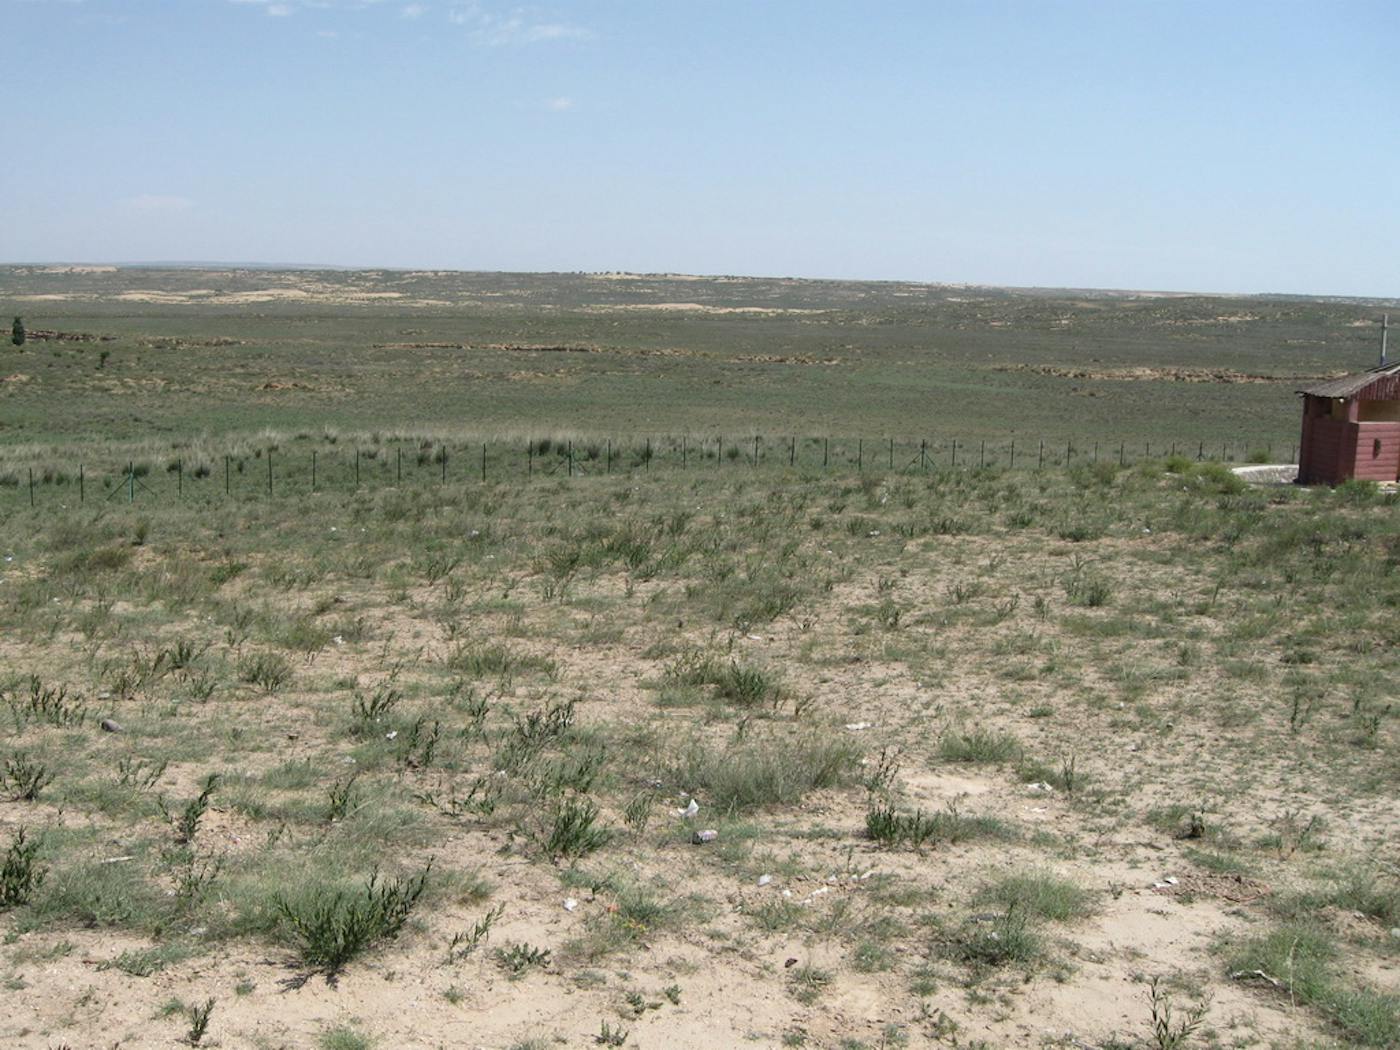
pixel 1351 428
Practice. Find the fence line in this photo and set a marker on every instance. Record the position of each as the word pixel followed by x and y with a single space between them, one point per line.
pixel 499 460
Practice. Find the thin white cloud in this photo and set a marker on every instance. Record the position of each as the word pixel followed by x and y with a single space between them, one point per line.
pixel 559 104
pixel 486 26
pixel 521 26
pixel 157 204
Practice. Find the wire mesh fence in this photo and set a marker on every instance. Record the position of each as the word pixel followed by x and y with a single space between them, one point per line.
pixel 283 470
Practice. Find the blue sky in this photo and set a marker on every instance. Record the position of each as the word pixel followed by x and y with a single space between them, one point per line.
pixel 1222 146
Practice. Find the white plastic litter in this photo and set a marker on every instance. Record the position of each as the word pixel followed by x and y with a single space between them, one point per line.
pixel 856 727
pixel 689 810
pixel 764 880
pixel 570 904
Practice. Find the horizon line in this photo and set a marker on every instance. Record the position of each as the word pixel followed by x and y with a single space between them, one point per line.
pixel 209 264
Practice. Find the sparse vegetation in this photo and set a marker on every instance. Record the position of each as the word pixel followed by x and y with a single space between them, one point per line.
pixel 921 709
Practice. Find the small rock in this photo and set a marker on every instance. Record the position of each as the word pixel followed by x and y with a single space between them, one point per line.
pixel 699 838
pixel 110 726
pixel 1395 932
pixel 764 880
pixel 788 964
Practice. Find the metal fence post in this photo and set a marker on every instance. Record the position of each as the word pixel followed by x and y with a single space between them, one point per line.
pixel 483 461
pixel 269 472
pixel 313 470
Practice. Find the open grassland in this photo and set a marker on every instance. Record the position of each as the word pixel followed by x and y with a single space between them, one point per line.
pixel 992 758
pixel 140 363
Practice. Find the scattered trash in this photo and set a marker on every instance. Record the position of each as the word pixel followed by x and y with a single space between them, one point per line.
pixel 787 893
pixel 338 640
pixel 570 904
pixel 1395 932
pixel 856 727
pixel 764 880
pixel 1040 787
pixel 755 637
pixel 689 810
pixel 1251 975
pixel 391 734
pixel 699 838
pixel 818 892
pixel 110 726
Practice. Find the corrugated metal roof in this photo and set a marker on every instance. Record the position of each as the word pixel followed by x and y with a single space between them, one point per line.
pixel 1348 386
